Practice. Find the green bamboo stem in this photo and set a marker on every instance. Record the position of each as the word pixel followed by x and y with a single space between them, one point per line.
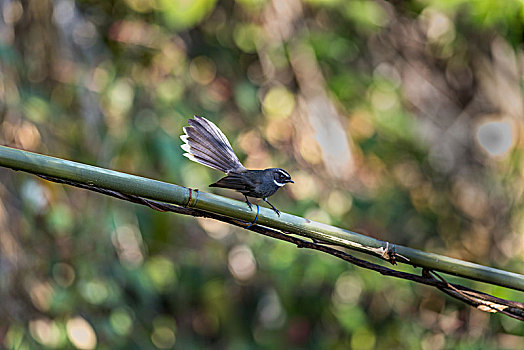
pixel 161 191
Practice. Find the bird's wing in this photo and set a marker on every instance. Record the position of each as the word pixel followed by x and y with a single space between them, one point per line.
pixel 235 181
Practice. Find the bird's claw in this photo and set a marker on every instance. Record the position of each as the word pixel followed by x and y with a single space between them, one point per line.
pixel 272 206
pixel 249 204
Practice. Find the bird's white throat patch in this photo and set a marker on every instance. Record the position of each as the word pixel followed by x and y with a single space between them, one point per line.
pixel 278 183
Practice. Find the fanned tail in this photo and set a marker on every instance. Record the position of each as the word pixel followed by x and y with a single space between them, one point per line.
pixel 204 143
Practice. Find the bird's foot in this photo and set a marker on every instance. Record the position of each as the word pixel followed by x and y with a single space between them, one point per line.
pixel 249 204
pixel 272 207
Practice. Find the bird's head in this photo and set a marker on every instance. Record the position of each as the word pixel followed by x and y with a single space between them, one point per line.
pixel 280 177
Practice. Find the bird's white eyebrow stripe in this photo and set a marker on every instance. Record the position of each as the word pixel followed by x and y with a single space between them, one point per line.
pixel 278 183
pixel 283 173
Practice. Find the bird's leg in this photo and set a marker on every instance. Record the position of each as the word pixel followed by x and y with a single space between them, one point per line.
pixel 248 203
pixel 272 206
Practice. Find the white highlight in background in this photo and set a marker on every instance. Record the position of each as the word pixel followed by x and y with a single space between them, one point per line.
pixel 495 137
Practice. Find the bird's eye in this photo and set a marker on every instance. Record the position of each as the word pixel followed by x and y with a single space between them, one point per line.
pixel 281 177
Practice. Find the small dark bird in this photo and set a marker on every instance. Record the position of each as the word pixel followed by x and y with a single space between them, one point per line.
pixel 206 144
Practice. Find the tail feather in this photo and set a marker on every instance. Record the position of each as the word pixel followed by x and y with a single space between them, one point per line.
pixel 212 129
pixel 204 143
pixel 211 133
pixel 200 157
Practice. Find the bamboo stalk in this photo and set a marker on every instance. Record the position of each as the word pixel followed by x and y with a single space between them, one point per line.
pixel 161 191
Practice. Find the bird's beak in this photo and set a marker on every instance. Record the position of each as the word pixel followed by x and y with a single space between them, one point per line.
pixel 291 181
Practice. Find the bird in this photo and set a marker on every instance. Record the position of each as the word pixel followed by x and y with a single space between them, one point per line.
pixel 206 144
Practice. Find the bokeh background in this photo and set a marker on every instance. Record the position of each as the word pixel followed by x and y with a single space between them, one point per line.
pixel 401 120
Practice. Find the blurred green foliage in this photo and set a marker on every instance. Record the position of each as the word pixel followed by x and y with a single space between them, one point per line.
pixel 402 120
